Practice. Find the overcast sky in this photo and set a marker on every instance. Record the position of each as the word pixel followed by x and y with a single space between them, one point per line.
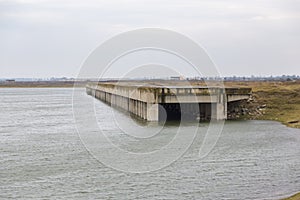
pixel 45 38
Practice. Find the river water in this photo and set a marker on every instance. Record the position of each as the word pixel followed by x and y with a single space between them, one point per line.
pixel 42 157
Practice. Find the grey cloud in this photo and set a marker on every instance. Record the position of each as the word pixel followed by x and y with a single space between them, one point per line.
pixel 49 38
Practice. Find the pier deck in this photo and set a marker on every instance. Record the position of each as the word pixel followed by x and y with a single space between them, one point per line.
pixel 154 102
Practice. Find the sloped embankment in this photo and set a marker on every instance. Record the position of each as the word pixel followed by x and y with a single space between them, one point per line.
pixel 278 101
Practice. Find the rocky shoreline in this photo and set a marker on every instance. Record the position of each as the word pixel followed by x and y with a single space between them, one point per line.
pixel 279 101
pixel 250 109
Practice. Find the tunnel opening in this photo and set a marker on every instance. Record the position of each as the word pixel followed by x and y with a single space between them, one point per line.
pixel 184 111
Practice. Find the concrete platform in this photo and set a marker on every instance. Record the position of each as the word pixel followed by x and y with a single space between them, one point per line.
pixel 157 102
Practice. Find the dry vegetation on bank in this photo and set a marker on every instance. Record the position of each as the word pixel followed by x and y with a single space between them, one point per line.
pixel 278 101
pixel 294 197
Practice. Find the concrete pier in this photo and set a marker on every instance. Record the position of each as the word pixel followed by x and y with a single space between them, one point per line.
pixel 156 103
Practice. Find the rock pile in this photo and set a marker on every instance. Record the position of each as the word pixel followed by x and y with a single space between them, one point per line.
pixel 248 109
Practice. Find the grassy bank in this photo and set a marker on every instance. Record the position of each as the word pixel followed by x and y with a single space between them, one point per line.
pixel 278 101
pixel 294 197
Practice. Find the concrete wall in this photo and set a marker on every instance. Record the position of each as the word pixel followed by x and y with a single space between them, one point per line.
pixel 144 101
pixel 142 109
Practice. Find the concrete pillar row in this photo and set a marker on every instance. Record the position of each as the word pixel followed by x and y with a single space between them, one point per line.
pixel 144 102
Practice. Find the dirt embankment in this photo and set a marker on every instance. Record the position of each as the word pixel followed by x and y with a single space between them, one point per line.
pixel 278 101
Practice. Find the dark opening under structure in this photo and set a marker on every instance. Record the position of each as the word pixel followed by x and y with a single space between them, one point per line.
pixel 184 111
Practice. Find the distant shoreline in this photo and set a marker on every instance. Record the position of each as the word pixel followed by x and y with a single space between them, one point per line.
pixel 41 84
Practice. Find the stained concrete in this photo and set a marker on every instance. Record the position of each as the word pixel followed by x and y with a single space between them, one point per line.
pixel 152 102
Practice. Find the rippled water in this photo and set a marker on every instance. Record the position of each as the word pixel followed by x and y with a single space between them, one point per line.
pixel 42 157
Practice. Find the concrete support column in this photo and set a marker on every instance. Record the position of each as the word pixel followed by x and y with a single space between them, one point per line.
pixel 129 105
pixel 140 108
pixel 111 97
pixel 133 106
pixel 219 109
pixel 137 107
pixel 152 112
pixel 125 103
pixel 145 110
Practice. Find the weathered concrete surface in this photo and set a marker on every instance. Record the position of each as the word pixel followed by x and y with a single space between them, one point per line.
pixel 144 100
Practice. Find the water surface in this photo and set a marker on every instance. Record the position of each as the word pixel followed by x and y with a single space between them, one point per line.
pixel 42 157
